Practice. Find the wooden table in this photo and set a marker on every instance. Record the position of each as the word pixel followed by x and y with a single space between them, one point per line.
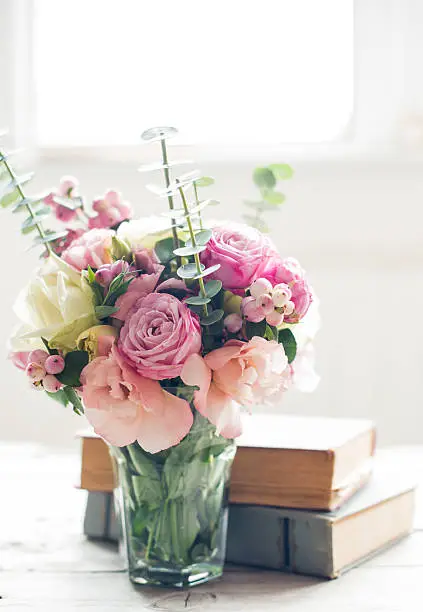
pixel 46 564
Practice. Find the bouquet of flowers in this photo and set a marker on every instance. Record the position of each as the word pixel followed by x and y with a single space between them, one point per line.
pixel 161 330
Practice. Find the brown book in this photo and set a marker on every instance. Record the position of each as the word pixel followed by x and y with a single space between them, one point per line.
pixel 285 461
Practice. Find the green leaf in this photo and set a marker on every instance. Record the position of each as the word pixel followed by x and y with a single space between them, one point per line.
pixel 102 312
pixel 189 250
pixel 287 339
pixel 260 205
pixel 204 181
pixel 257 222
pixel 60 396
pixel 73 398
pixel 213 317
pixel 213 287
pixel 263 177
pixel 207 271
pixel 188 270
pixel 273 197
pixel 255 329
pixel 23 204
pixel 164 250
pixel 201 205
pixel 75 362
pixel 49 237
pixel 31 222
pixel 90 275
pixel 281 171
pixel 70 203
pixel 201 238
pixel 197 300
pixel 148 490
pixel 11 197
pixel 271 333
pixel 48 349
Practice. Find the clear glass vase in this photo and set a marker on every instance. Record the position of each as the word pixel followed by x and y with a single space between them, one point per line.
pixel 173 508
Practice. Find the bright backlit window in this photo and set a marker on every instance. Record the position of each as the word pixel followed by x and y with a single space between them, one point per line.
pixel 224 72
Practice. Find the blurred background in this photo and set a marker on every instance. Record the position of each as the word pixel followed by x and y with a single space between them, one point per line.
pixel 332 87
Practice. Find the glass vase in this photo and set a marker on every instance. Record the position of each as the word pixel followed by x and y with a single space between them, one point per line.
pixel 173 508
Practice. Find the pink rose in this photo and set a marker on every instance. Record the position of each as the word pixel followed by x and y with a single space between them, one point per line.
pixel 111 210
pixel 91 249
pixel 238 374
pixel 67 189
pixel 240 250
pixel 123 406
pixel 289 272
pixel 147 260
pixel 158 336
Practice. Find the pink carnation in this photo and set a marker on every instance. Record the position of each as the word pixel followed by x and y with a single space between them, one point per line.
pixel 123 406
pixel 91 249
pixel 67 189
pixel 238 374
pixel 240 250
pixel 111 210
pixel 158 336
pixel 289 271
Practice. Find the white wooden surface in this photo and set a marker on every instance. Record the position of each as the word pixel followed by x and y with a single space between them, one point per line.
pixel 46 564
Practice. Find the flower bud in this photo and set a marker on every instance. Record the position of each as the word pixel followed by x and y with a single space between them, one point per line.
pixel 38 356
pixel 233 323
pixel 251 311
pixel 51 384
pixel 289 308
pixel 35 371
pixel 54 364
pixel 275 318
pixel 260 286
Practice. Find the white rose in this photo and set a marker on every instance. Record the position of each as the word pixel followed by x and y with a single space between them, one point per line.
pixel 144 232
pixel 57 304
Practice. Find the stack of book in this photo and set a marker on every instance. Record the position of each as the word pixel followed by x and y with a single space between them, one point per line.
pixel 306 496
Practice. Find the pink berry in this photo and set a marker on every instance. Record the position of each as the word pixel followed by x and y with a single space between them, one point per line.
pixel 51 384
pixel 260 286
pixel 266 303
pixel 233 323
pixel 289 308
pixel 275 318
pixel 281 294
pixel 251 311
pixel 35 372
pixel 54 364
pixel 38 356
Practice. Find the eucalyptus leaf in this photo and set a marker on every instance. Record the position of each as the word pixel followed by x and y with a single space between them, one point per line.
pixel 213 287
pixel 162 166
pixel 207 271
pixel 263 177
pixel 49 237
pixel 159 133
pixel 189 250
pixel 273 197
pixel 23 204
pixel 189 271
pixel 201 205
pixel 69 203
pixel 164 250
pixel 260 205
pixel 281 171
pixel 256 222
pixel 32 221
pixel 204 181
pixel 213 317
pixel 201 238
pixel 197 300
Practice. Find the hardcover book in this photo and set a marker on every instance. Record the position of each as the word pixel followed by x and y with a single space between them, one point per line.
pixel 286 461
pixel 323 544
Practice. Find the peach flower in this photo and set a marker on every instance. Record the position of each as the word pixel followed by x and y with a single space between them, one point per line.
pixel 124 407
pixel 238 374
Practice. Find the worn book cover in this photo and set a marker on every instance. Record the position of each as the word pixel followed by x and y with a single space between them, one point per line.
pixel 288 461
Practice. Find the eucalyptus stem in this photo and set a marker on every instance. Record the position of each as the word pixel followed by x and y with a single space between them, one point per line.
pixel 197 201
pixel 169 197
pixel 194 244
pixel 28 206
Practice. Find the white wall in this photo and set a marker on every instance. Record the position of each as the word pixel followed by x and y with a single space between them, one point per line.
pixel 356 228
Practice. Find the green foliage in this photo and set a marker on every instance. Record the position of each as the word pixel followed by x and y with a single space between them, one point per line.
pixel 212 288
pixel 204 181
pixel 213 317
pixel 287 339
pixel 201 238
pixel 75 362
pixel 189 250
pixel 117 287
pixel 189 271
pixel 197 300
pixel 66 396
pixel 164 250
pixel 103 312
pixel 255 329
pixel 264 178
pixel 281 171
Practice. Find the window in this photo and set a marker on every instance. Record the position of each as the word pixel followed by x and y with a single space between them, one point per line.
pixel 223 72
